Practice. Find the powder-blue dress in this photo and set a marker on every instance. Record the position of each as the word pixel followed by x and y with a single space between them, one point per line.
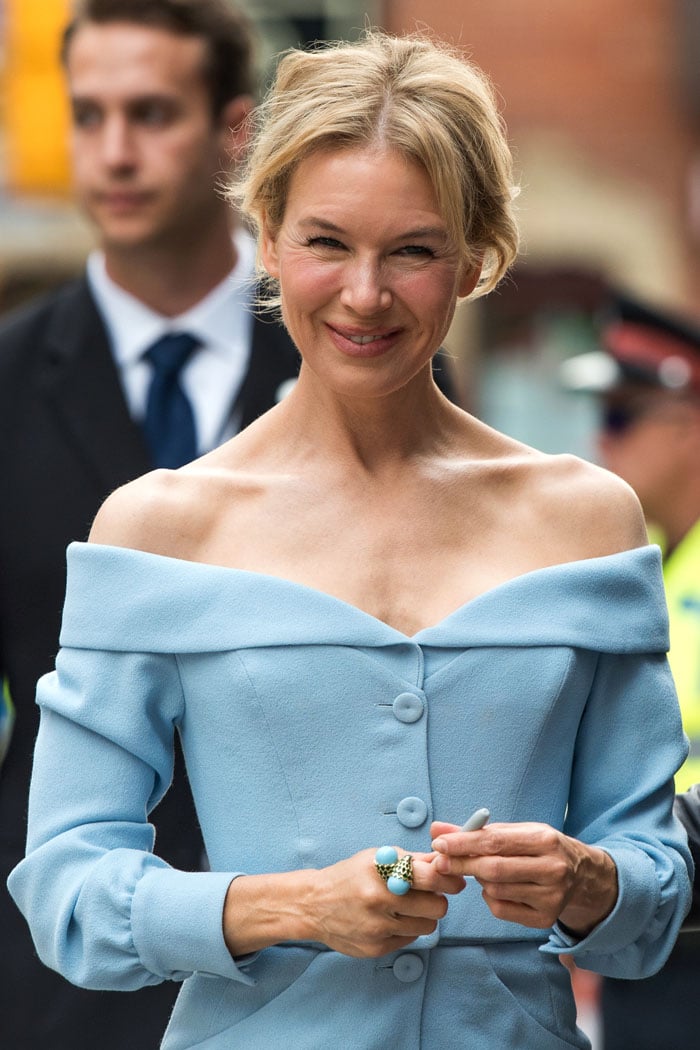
pixel 312 730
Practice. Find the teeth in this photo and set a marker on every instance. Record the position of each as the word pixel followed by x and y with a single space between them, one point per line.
pixel 361 340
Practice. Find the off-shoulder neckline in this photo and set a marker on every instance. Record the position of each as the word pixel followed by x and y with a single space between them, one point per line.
pixel 292 586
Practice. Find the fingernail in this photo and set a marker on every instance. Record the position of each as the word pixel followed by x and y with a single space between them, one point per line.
pixel 438 844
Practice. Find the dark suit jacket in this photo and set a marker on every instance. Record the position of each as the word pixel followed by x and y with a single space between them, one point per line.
pixel 66 441
pixel 687 809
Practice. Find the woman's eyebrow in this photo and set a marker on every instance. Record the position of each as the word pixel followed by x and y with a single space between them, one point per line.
pixel 418 232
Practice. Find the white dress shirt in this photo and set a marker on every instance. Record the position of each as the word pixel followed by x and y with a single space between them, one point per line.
pixel 222 321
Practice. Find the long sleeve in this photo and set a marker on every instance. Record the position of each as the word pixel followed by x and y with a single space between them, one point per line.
pixel 629 743
pixel 103 910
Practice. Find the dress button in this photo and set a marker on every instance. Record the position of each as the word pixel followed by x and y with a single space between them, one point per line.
pixel 412 812
pixel 407 707
pixel 408 968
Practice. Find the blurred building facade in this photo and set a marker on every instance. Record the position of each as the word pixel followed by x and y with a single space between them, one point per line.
pixel 602 104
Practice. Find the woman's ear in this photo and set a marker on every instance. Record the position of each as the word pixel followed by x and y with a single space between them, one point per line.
pixel 469 280
pixel 268 250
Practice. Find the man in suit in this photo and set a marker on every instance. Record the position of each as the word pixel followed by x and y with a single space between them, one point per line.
pixel 159 90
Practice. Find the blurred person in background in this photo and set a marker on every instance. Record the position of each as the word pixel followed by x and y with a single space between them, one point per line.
pixel 688 811
pixel 91 397
pixel 646 377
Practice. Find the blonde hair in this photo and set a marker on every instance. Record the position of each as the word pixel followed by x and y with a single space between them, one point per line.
pixel 410 94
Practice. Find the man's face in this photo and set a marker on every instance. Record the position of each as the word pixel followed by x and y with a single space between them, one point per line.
pixel 646 436
pixel 147 152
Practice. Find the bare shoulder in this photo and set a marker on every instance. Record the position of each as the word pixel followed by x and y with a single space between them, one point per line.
pixel 158 513
pixel 592 508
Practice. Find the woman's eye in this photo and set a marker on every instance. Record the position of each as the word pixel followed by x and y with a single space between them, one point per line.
pixel 416 249
pixel 324 242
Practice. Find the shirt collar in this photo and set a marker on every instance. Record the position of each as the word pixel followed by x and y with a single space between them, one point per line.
pixel 221 320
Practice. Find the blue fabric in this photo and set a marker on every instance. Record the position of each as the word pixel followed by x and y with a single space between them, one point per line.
pixel 169 426
pixel 548 698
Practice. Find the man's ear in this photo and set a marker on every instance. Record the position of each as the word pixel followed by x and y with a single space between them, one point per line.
pixel 235 126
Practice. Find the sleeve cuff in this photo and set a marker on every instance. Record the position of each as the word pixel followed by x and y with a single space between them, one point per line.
pixel 633 915
pixel 177 925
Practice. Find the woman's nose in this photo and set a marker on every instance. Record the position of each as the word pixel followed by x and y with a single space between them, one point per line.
pixel 366 289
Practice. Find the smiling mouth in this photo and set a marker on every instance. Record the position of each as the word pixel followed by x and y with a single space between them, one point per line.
pixel 362 340
pixel 363 344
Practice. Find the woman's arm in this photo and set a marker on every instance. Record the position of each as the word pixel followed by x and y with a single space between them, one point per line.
pixel 345 906
pixel 614 877
pixel 102 909
pixel 105 912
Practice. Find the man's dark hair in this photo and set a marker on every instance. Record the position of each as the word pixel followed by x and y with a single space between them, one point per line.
pixel 226 31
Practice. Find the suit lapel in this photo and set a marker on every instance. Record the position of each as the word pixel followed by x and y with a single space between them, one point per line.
pixel 81 385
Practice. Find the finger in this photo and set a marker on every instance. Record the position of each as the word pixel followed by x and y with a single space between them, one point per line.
pixel 417 902
pixel 540 905
pixel 505 839
pixel 534 905
pixel 440 827
pixel 512 911
pixel 543 871
pixel 427 878
pixel 532 895
pixel 452 852
pixel 456 842
pixel 413 915
pixel 415 927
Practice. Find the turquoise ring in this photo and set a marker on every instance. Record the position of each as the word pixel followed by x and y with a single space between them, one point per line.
pixel 397 874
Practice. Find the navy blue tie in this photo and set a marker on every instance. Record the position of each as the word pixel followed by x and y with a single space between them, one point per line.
pixel 169 425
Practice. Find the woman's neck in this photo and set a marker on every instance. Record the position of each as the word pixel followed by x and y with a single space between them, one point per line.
pixel 376 433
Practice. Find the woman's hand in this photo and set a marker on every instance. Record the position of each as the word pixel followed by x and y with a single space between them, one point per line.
pixel 346 906
pixel 531 873
pixel 358 916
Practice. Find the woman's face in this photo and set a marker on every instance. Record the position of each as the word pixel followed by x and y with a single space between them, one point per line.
pixel 369 277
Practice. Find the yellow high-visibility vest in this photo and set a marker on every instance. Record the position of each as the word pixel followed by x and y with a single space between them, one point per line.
pixel 682 582
pixel 7 718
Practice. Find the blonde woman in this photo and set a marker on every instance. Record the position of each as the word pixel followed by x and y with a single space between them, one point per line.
pixel 366 615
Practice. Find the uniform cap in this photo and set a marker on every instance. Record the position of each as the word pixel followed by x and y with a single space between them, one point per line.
pixel 639 344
